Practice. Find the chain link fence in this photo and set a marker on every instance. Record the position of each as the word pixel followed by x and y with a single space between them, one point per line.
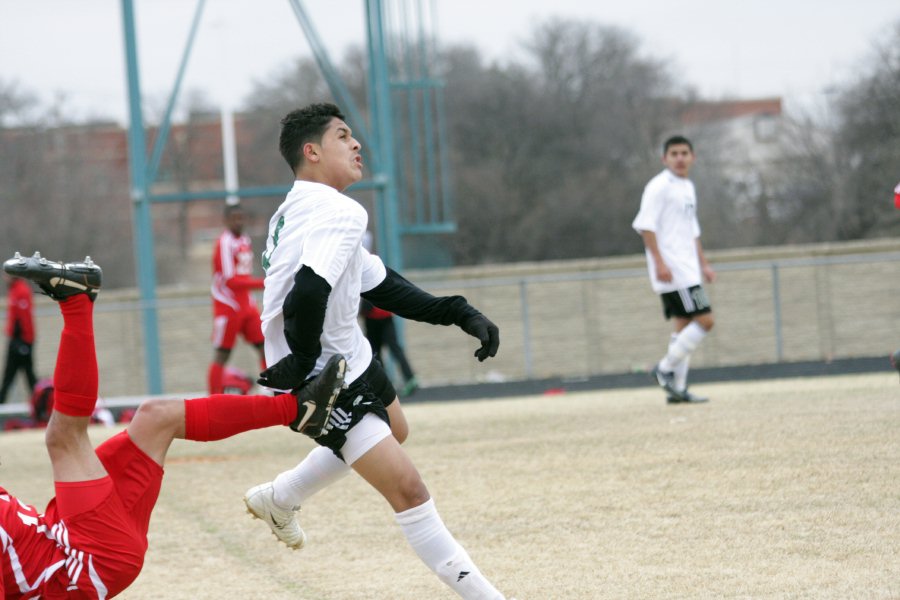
pixel 561 319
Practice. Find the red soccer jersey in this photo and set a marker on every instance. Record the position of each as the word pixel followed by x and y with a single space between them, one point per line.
pixel 19 311
pixel 233 271
pixel 37 555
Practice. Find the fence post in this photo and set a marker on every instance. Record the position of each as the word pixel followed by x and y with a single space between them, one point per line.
pixel 526 331
pixel 776 301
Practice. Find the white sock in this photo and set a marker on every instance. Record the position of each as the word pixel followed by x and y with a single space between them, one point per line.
pixel 681 347
pixel 681 371
pixel 439 550
pixel 317 471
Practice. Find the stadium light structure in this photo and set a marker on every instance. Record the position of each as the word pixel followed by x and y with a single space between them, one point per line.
pixel 410 177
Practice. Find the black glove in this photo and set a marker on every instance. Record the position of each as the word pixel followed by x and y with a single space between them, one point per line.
pixel 289 373
pixel 480 326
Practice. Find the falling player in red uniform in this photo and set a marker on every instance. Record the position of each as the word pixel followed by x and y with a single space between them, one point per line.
pixel 91 539
pixel 234 310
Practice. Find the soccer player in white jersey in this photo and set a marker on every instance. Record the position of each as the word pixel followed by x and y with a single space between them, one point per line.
pixel 316 270
pixel 667 222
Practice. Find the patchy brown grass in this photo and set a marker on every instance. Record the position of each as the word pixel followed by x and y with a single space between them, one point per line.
pixel 776 489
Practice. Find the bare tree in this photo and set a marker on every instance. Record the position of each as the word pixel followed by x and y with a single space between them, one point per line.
pixel 551 154
pixel 869 143
pixel 63 187
pixel 835 177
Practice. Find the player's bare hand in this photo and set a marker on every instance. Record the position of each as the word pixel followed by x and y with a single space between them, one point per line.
pixel 481 327
pixel 663 273
pixel 709 274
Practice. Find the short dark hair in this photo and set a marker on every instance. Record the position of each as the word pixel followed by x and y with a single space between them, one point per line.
pixel 304 125
pixel 230 208
pixel 677 140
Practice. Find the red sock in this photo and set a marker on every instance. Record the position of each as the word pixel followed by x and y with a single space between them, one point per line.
pixel 75 379
pixel 214 377
pixel 223 415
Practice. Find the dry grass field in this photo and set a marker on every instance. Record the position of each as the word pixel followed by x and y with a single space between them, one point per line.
pixel 776 489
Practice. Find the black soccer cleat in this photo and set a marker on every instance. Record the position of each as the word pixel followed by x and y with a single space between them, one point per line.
pixel 674 399
pixel 57 280
pixel 315 399
pixel 685 397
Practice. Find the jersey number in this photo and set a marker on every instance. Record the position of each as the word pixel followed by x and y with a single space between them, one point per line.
pixel 268 252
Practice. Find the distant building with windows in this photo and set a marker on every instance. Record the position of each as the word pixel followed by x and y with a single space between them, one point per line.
pixel 740 149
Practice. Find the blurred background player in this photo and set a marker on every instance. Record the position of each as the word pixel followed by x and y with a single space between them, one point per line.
pixel 234 310
pixel 667 223
pixel 381 331
pixel 20 331
pixel 91 540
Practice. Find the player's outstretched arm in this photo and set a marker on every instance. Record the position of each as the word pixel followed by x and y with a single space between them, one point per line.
pixel 244 282
pixel 397 295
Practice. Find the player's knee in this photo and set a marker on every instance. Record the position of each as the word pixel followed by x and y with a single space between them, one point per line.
pixel 161 414
pixel 707 321
pixel 61 440
pixel 412 490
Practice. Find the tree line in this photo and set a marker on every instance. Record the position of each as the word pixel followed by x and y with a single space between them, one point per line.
pixel 549 152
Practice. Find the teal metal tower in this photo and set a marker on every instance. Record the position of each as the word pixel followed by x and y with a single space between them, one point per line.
pixel 404 140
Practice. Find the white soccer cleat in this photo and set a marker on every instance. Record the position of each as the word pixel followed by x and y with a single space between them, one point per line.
pixel 260 501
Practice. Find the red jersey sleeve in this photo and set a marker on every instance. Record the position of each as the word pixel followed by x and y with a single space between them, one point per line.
pixel 244 282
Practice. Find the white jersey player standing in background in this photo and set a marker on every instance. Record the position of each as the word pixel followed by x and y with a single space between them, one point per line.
pixel 316 270
pixel 667 222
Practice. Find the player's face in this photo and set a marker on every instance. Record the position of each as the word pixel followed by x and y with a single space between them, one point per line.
pixel 679 159
pixel 235 222
pixel 339 159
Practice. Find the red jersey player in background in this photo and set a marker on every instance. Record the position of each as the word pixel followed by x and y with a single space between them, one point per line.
pixel 90 541
pixel 234 311
pixel 20 330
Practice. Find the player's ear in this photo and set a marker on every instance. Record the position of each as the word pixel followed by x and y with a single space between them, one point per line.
pixel 311 152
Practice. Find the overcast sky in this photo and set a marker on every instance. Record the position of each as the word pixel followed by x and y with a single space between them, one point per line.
pixel 790 48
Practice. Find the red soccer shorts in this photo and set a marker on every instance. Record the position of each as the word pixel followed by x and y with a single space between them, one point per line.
pixel 114 528
pixel 228 323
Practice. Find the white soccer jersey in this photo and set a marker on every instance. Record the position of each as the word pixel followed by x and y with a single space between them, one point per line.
pixel 321 228
pixel 669 209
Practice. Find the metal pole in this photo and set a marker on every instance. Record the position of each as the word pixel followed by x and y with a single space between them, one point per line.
pixel 143 224
pixel 382 115
pixel 229 155
pixel 776 308
pixel 526 329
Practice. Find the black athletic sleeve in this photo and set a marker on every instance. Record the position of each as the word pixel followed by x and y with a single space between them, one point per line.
pixel 304 314
pixel 409 301
pixel 304 317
